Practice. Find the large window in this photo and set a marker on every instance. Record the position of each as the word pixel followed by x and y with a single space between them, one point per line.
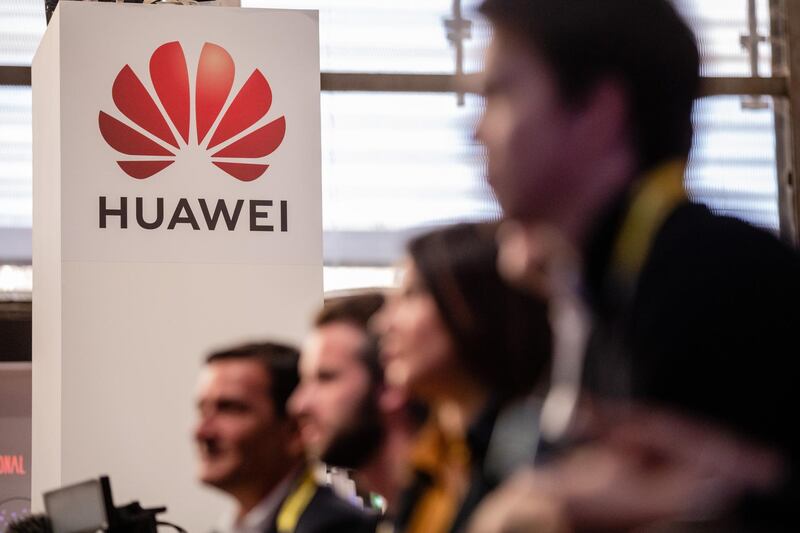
pixel 395 163
pixel 733 167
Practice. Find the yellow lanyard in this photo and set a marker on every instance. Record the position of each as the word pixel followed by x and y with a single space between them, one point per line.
pixel 657 195
pixel 295 504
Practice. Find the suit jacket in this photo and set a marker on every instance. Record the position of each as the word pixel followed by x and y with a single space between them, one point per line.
pixel 717 303
pixel 327 513
pixel 707 325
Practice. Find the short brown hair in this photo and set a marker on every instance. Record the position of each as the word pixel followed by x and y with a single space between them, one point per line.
pixel 279 362
pixel 357 309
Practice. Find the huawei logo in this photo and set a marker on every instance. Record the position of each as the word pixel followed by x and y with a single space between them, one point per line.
pixel 153 142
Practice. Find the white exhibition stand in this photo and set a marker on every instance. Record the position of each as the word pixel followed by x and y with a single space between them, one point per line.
pixel 177 209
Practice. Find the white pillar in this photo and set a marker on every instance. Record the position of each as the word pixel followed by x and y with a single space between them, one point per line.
pixel 122 314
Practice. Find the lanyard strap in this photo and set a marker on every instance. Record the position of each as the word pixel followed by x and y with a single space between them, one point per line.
pixel 295 504
pixel 656 196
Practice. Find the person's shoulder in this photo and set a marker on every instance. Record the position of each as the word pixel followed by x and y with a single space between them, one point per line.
pixel 704 267
pixel 694 232
pixel 326 498
pixel 329 513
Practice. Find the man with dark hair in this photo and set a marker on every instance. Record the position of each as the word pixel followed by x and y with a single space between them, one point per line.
pixel 348 416
pixel 583 98
pixel 250 449
pixel 587 127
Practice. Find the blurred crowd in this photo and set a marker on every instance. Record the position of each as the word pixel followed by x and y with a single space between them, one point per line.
pixel 609 357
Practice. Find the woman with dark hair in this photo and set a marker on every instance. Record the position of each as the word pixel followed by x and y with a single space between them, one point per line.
pixel 461 339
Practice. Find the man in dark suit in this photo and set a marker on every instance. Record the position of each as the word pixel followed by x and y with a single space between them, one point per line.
pixel 349 417
pixel 587 127
pixel 250 449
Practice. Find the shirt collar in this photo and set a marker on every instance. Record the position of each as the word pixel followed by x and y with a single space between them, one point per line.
pixel 258 519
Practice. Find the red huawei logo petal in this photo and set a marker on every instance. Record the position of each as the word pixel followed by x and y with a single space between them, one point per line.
pixel 156 143
pixel 252 103
pixel 170 77
pixel 214 82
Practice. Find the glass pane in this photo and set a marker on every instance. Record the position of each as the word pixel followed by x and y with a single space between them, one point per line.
pixel 21 27
pixel 409 36
pixel 16 282
pixel 337 279
pixel 399 161
pixel 720 26
pixel 733 164
pixel 386 36
pixel 355 35
pixel 16 174
pixel 395 162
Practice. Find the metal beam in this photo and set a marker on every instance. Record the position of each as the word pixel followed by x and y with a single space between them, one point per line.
pixel 412 83
pixel 776 86
pixel 15 75
pixel 351 81
pixel 470 83
pixel 783 132
pixel 792 37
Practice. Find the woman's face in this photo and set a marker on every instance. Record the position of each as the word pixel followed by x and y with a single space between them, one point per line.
pixel 418 351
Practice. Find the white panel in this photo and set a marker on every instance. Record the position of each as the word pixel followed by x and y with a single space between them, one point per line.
pixel 124 317
pixel 135 335
pixel 283 47
pixel 47 300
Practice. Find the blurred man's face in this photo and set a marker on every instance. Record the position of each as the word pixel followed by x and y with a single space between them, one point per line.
pixel 240 438
pixel 334 403
pixel 527 131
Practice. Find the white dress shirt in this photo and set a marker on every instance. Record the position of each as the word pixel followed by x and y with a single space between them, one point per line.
pixel 259 517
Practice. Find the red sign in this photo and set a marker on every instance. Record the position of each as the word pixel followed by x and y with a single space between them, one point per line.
pixel 156 147
pixel 12 465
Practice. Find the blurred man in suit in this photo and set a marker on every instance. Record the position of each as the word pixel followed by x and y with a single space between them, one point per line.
pixel 588 127
pixel 250 449
pixel 349 416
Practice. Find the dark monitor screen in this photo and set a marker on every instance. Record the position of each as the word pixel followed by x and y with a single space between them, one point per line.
pixel 79 508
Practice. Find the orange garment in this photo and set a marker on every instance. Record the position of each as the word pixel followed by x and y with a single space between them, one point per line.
pixel 446 461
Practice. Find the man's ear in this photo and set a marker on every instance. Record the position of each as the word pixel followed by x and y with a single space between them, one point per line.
pixel 604 117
